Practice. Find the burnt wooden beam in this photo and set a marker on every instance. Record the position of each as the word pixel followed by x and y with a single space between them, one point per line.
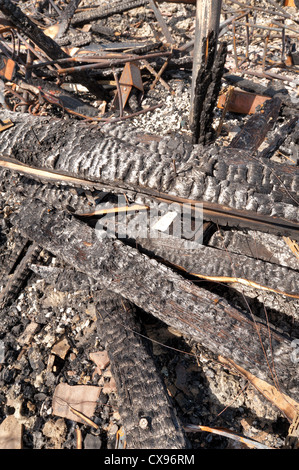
pixel 209 319
pixel 279 137
pixel 66 16
pixel 148 415
pixel 107 10
pixel 16 280
pixel 206 90
pixel 219 266
pixel 20 245
pixel 45 43
pixel 234 186
pixel 206 26
pixel 207 262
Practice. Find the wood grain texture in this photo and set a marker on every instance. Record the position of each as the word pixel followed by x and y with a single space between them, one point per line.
pixel 207 318
pixel 232 179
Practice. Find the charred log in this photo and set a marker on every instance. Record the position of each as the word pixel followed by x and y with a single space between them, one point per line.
pixel 66 16
pixel 229 180
pixel 207 87
pixel 207 318
pixel 256 128
pixel 16 281
pixel 108 10
pixel 148 416
pixel 207 262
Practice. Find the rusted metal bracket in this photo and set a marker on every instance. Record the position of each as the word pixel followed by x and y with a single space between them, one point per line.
pixel 241 102
pixel 130 79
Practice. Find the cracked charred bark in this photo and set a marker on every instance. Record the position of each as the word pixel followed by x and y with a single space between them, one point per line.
pixel 200 260
pixel 141 391
pixel 232 181
pixel 207 318
pixel 45 43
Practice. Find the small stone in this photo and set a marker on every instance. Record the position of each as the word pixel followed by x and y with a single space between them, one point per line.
pixel 143 423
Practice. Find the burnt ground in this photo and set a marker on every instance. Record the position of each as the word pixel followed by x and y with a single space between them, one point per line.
pixel 204 392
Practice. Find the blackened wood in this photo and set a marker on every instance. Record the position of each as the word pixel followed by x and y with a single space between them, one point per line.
pixel 142 394
pixel 206 90
pixel 45 43
pixel 206 25
pixel 241 188
pixel 66 16
pixel 207 262
pixel 16 281
pixel 207 318
pixel 200 260
pixel 278 138
pixel 256 128
pixel 262 246
pixel 10 262
pixel 110 9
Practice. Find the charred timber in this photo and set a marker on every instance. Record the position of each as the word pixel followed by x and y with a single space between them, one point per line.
pixel 148 415
pixel 17 279
pixel 45 43
pixel 207 88
pixel 206 262
pixel 256 128
pixel 110 9
pixel 209 319
pixel 235 187
pixel 66 16
pixel 211 264
pixel 114 8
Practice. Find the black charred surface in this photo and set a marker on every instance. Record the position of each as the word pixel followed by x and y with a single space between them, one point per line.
pixel 141 392
pixel 205 317
pixel 207 88
pixel 108 10
pixel 66 16
pixel 232 179
pixel 256 128
pixel 17 279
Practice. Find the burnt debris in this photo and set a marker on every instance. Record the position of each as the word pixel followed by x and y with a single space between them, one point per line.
pixel 192 228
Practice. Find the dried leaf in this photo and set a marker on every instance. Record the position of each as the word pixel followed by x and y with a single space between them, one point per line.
pixel 81 398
